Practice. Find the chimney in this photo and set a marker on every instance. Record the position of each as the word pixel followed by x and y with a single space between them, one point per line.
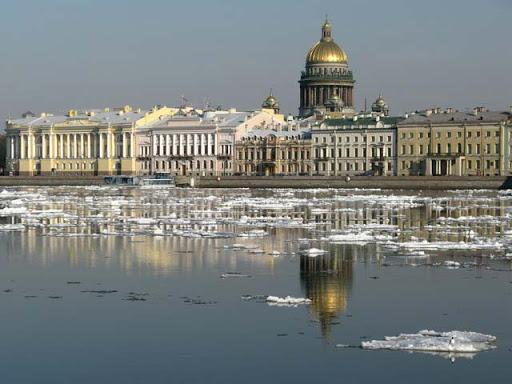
pixel 475 111
pixel 449 110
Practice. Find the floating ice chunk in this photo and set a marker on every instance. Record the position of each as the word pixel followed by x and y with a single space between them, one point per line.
pixel 12 227
pixel 275 253
pixel 433 341
pixel 233 274
pixel 450 245
pixel 254 233
pixel 313 252
pixel 359 238
pixel 452 264
pixel 287 301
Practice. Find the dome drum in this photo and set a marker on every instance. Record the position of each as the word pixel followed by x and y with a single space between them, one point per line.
pixel 326 75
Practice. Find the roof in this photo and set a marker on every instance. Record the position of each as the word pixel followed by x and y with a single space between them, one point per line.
pixel 362 122
pixel 97 116
pixel 210 119
pixel 456 117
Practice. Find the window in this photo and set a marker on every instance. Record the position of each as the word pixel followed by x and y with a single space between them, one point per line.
pixel 488 133
pixel 356 152
pixel 403 149
pixel 470 163
pixel 347 139
pixel 448 134
pixel 411 135
pixel 389 152
pixel 438 148
pixel 421 135
pixel 356 139
pixel 469 134
pixel 470 149
pixel 421 149
pixel 411 149
pixel 459 134
pixel 478 134
pixel 449 148
pixel 497 148
pixel 438 134
pixel 488 148
pixel 373 139
pixel 389 138
pixel 478 149
pixel 459 148
pixel 348 152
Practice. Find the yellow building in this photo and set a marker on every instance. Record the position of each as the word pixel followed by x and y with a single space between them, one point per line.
pixel 95 142
pixel 452 143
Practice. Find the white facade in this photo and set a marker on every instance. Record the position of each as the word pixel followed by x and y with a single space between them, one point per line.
pixel 195 144
pixel 360 146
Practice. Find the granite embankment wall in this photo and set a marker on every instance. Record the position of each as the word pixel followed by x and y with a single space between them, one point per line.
pixel 7 181
pixel 388 182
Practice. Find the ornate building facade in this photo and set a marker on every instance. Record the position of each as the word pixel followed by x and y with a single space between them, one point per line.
pixel 326 84
pixel 95 142
pixel 452 143
pixel 129 142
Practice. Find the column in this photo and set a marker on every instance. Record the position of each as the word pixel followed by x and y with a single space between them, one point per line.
pixel 123 151
pixel 82 145
pixel 196 144
pixel 101 145
pixel 161 144
pixel 89 155
pixel 153 145
pixel 133 144
pixel 13 147
pixel 107 135
pixel 174 144
pixel 43 146
pixel 50 146
pixel 167 144
pixel 29 146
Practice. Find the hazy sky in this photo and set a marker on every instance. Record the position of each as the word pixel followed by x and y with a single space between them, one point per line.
pixel 61 54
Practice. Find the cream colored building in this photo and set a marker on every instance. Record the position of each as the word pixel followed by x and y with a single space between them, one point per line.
pixel 277 150
pixel 451 143
pixel 361 145
pixel 196 143
pixel 95 142
pixel 126 141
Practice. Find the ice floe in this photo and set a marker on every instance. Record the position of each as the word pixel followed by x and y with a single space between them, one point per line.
pixel 287 301
pixel 433 341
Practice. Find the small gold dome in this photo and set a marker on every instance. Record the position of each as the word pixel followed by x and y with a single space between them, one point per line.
pixel 326 50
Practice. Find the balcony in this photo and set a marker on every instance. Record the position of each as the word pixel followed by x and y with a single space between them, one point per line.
pixel 329 77
pixel 181 157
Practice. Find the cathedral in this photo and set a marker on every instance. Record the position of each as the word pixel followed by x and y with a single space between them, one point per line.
pixel 326 84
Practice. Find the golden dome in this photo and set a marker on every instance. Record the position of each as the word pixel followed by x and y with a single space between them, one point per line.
pixel 326 50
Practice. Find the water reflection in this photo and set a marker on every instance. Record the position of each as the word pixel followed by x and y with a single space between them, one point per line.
pixel 327 280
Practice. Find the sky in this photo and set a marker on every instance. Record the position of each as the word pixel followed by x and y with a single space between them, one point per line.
pixel 63 54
